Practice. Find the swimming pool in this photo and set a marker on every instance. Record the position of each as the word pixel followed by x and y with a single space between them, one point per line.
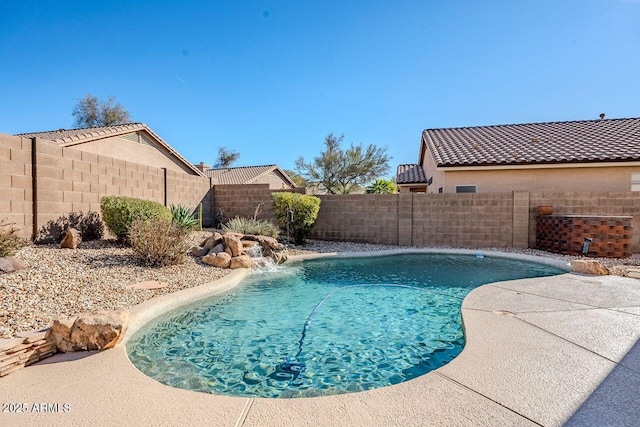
pixel 322 327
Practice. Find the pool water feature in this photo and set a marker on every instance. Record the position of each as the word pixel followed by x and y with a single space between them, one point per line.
pixel 322 327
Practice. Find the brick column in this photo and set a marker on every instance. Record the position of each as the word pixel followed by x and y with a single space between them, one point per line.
pixel 520 219
pixel 405 219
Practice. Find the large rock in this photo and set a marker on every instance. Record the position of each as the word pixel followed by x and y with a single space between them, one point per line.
pixel 267 242
pixel 10 264
pixel 232 242
pixel 240 236
pixel 242 261
pixel 248 243
pixel 72 239
pixel 217 249
pixel 220 260
pixel 212 240
pixel 89 331
pixel 589 266
pixel 199 251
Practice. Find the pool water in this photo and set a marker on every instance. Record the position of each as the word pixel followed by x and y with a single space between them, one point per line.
pixel 322 327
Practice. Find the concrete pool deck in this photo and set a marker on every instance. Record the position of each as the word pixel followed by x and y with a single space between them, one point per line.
pixel 542 351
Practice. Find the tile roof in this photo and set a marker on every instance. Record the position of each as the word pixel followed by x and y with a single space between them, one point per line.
pixel 410 174
pixel 243 175
pixel 612 140
pixel 68 137
pixel 63 136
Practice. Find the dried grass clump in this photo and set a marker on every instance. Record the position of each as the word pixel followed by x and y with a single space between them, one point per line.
pixel 251 226
pixel 10 242
pixel 158 242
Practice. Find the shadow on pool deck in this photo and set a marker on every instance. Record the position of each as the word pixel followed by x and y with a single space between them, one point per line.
pixel 616 401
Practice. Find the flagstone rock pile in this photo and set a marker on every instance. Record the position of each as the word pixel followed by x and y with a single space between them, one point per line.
pixel 235 250
pixel 88 331
pixel 24 350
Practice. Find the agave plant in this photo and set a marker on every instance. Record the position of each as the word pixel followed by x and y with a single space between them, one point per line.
pixel 183 217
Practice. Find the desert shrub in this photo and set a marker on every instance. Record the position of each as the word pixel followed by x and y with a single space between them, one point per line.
pixel 183 217
pixel 89 225
pixel 251 226
pixel 119 212
pixel 158 242
pixel 10 242
pixel 305 211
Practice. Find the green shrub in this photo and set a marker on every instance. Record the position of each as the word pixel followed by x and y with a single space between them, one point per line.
pixel 183 217
pixel 305 211
pixel 89 225
pixel 158 242
pixel 251 226
pixel 10 242
pixel 119 212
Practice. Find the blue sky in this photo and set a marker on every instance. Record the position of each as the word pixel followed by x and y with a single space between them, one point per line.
pixel 271 79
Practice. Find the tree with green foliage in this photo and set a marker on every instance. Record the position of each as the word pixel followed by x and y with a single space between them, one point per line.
pixel 296 177
pixel 343 171
pixel 296 211
pixel 93 112
pixel 226 157
pixel 382 186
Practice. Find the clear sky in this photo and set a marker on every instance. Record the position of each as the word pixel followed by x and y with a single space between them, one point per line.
pixel 271 79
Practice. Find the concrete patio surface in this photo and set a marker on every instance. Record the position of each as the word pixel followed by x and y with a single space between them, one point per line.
pixel 559 350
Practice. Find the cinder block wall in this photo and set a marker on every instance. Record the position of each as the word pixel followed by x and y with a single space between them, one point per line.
pixel 366 218
pixel 16 183
pixel 463 220
pixel 598 204
pixel 70 180
pixel 242 200
pixel 190 191
pixel 456 220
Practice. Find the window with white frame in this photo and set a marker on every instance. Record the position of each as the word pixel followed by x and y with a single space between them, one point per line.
pixel 635 182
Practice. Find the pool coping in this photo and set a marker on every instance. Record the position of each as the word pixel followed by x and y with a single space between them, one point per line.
pixel 467 391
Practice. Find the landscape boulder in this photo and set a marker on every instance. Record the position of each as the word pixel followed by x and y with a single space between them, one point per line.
pixel 72 239
pixel 589 266
pixel 199 251
pixel 10 264
pixel 220 260
pixel 268 242
pixel 242 261
pixel 233 242
pixel 211 241
pixel 89 331
pixel 217 249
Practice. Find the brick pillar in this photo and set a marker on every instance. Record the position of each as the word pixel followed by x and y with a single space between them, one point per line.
pixel 520 219
pixel 405 219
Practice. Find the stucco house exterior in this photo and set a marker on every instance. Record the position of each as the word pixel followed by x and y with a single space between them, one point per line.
pixel 571 156
pixel 272 175
pixel 133 142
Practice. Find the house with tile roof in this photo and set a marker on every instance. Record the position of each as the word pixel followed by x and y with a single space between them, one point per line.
pixel 133 142
pixel 575 156
pixel 272 175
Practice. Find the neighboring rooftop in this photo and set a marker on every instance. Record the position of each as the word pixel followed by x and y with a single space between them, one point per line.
pixel 244 174
pixel 613 140
pixel 410 174
pixel 69 137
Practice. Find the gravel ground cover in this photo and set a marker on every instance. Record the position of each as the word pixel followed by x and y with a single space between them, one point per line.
pixel 63 282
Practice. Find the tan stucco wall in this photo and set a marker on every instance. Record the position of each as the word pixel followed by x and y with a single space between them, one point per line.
pixel 123 149
pixel 430 171
pixel 274 180
pixel 577 179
